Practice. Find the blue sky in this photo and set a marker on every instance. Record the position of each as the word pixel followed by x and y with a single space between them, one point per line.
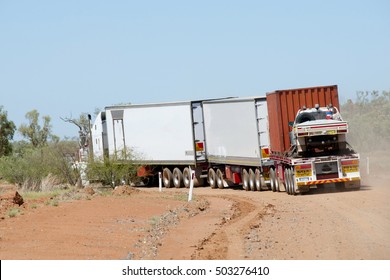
pixel 67 57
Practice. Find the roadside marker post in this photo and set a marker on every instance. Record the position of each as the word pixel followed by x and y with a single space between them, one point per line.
pixel 159 182
pixel 192 172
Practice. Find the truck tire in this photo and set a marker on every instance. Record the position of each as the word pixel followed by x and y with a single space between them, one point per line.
pixel 292 182
pixel 245 180
pixel 259 180
pixel 252 184
pixel 220 179
pixel 287 176
pixel 177 178
pixel 277 183
pixel 167 178
pixel 272 179
pixel 211 178
pixel 186 177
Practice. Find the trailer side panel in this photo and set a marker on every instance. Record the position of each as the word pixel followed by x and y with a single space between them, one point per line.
pixel 232 132
pixel 158 134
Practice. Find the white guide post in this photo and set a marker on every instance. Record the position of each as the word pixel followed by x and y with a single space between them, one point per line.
pixel 192 172
pixel 159 182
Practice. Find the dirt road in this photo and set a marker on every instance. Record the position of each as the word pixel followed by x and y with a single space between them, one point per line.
pixel 220 224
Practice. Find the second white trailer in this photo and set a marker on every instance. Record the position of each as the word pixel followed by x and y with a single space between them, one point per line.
pixel 237 142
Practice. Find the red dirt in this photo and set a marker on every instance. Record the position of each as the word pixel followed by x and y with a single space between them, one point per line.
pixel 220 224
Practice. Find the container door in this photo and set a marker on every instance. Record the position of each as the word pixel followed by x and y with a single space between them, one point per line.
pixel 262 128
pixel 118 129
pixel 199 135
pixel 105 136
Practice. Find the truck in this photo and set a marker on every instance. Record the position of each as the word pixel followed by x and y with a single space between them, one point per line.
pixel 237 142
pixel 308 141
pixel 290 140
pixel 165 137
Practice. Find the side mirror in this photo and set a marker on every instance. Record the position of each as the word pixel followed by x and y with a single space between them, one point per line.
pixel 291 124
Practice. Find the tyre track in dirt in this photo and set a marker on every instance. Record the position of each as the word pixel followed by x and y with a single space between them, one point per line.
pixel 228 241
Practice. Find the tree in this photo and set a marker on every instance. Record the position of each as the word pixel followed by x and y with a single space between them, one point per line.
pixel 83 124
pixel 37 135
pixel 369 121
pixel 7 131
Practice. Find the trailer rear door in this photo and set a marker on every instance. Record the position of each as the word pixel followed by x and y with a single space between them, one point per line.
pixel 199 138
pixel 119 135
pixel 262 127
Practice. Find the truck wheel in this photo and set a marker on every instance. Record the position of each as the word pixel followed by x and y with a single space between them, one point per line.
pixel 252 184
pixel 245 180
pixel 211 178
pixel 219 179
pixel 177 178
pixel 292 182
pixel 277 183
pixel 186 177
pixel 259 180
pixel 287 175
pixel 272 179
pixel 167 178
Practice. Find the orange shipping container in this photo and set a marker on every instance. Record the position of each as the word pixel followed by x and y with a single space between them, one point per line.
pixel 283 106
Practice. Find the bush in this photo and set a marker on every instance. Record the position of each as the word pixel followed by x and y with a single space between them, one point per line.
pixel 115 169
pixel 13 212
pixel 39 169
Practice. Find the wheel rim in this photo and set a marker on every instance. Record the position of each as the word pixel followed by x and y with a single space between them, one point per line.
pixel 177 178
pixel 186 177
pixel 258 180
pixel 245 180
pixel 287 180
pixel 167 176
pixel 292 182
pixel 252 180
pixel 211 178
pixel 272 179
pixel 219 179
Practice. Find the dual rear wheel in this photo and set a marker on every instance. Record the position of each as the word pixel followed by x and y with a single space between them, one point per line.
pixel 177 178
pixel 252 180
pixel 289 181
pixel 215 178
pixel 274 180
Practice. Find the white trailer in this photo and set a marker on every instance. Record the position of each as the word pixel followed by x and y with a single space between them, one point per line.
pixel 237 142
pixel 166 137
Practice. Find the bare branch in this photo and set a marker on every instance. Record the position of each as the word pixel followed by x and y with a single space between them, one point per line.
pixel 69 120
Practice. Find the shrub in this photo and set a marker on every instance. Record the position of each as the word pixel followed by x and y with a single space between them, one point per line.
pixel 13 212
pixel 114 170
pixel 40 169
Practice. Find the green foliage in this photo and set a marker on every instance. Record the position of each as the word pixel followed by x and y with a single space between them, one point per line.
pixel 369 121
pixel 39 168
pixel 52 202
pixel 7 131
pixel 37 135
pixel 115 169
pixel 13 212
